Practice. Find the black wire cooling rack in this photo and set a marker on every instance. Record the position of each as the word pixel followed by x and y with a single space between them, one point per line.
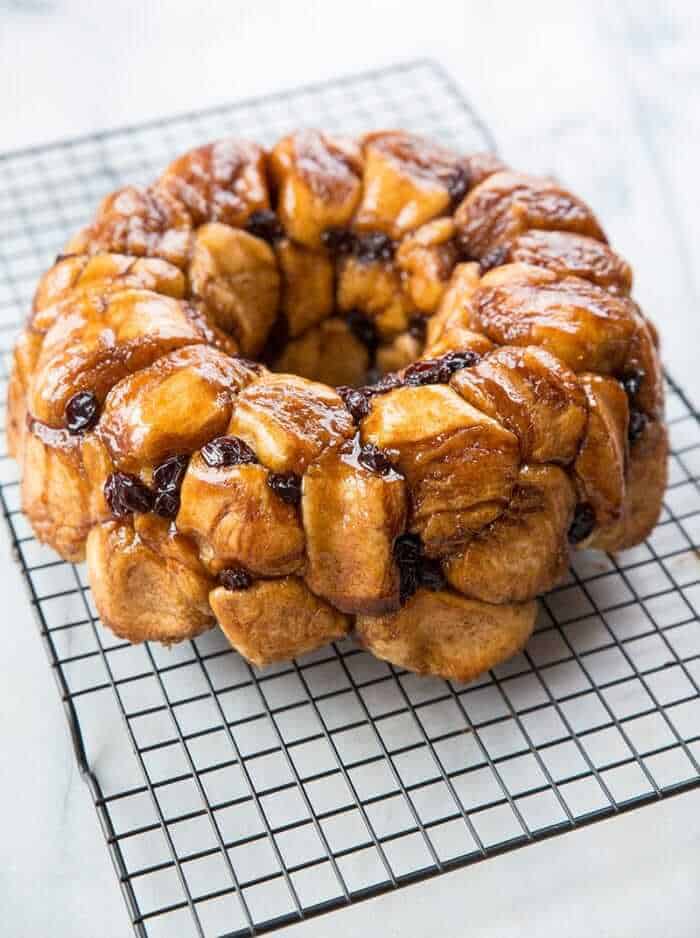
pixel 234 801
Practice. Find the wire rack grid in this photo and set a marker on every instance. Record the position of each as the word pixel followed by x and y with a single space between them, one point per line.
pixel 235 801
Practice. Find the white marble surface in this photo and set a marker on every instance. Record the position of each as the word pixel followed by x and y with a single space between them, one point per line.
pixel 603 94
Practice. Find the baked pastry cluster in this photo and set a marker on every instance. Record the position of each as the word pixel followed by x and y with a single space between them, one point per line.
pixel 341 385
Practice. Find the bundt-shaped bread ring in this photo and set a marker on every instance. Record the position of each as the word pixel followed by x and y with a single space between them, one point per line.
pixel 344 384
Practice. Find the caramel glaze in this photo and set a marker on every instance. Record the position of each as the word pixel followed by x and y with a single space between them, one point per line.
pixel 335 259
pixel 54 437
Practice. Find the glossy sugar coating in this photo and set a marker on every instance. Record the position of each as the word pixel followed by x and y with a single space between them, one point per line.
pixel 198 404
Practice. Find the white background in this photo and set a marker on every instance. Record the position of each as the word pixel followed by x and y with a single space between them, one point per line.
pixel 606 96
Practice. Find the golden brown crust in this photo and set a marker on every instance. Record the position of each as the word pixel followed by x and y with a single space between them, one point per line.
pixel 55 491
pixel 103 273
pixel 459 464
pixel 407 182
pixel 533 395
pixel 587 327
pixel 601 465
pixel 374 289
pixel 140 223
pixel 97 343
pixel 644 489
pixel 352 516
pixel 307 286
pixel 573 255
pixel 147 584
pixel 523 379
pixel 330 353
pixel 275 620
pixel 237 520
pixel 220 182
pixel 318 178
pixel 235 275
pixel 454 311
pixel 426 259
pixel 524 551
pixel 643 359
pixel 177 404
pixel 288 421
pixel 506 204
pixel 447 634
pixel 395 354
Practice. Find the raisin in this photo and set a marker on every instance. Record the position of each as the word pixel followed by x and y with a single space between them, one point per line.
pixel 356 401
pixel 167 479
pixel 494 258
pixel 632 381
pixel 235 578
pixel 375 459
pixel 417 327
pixel 582 525
pixel 168 476
pixel 455 361
pixel 362 328
pixel 82 412
pixel 407 549
pixel 637 425
pixel 286 485
pixel 416 570
pixel 385 384
pixel 227 451
pixel 266 225
pixel 430 574
pixel 429 371
pixel 374 246
pixel 407 552
pixel 408 582
pixel 126 493
pixel 439 370
pixel 339 240
pixel 167 504
pixel 458 184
